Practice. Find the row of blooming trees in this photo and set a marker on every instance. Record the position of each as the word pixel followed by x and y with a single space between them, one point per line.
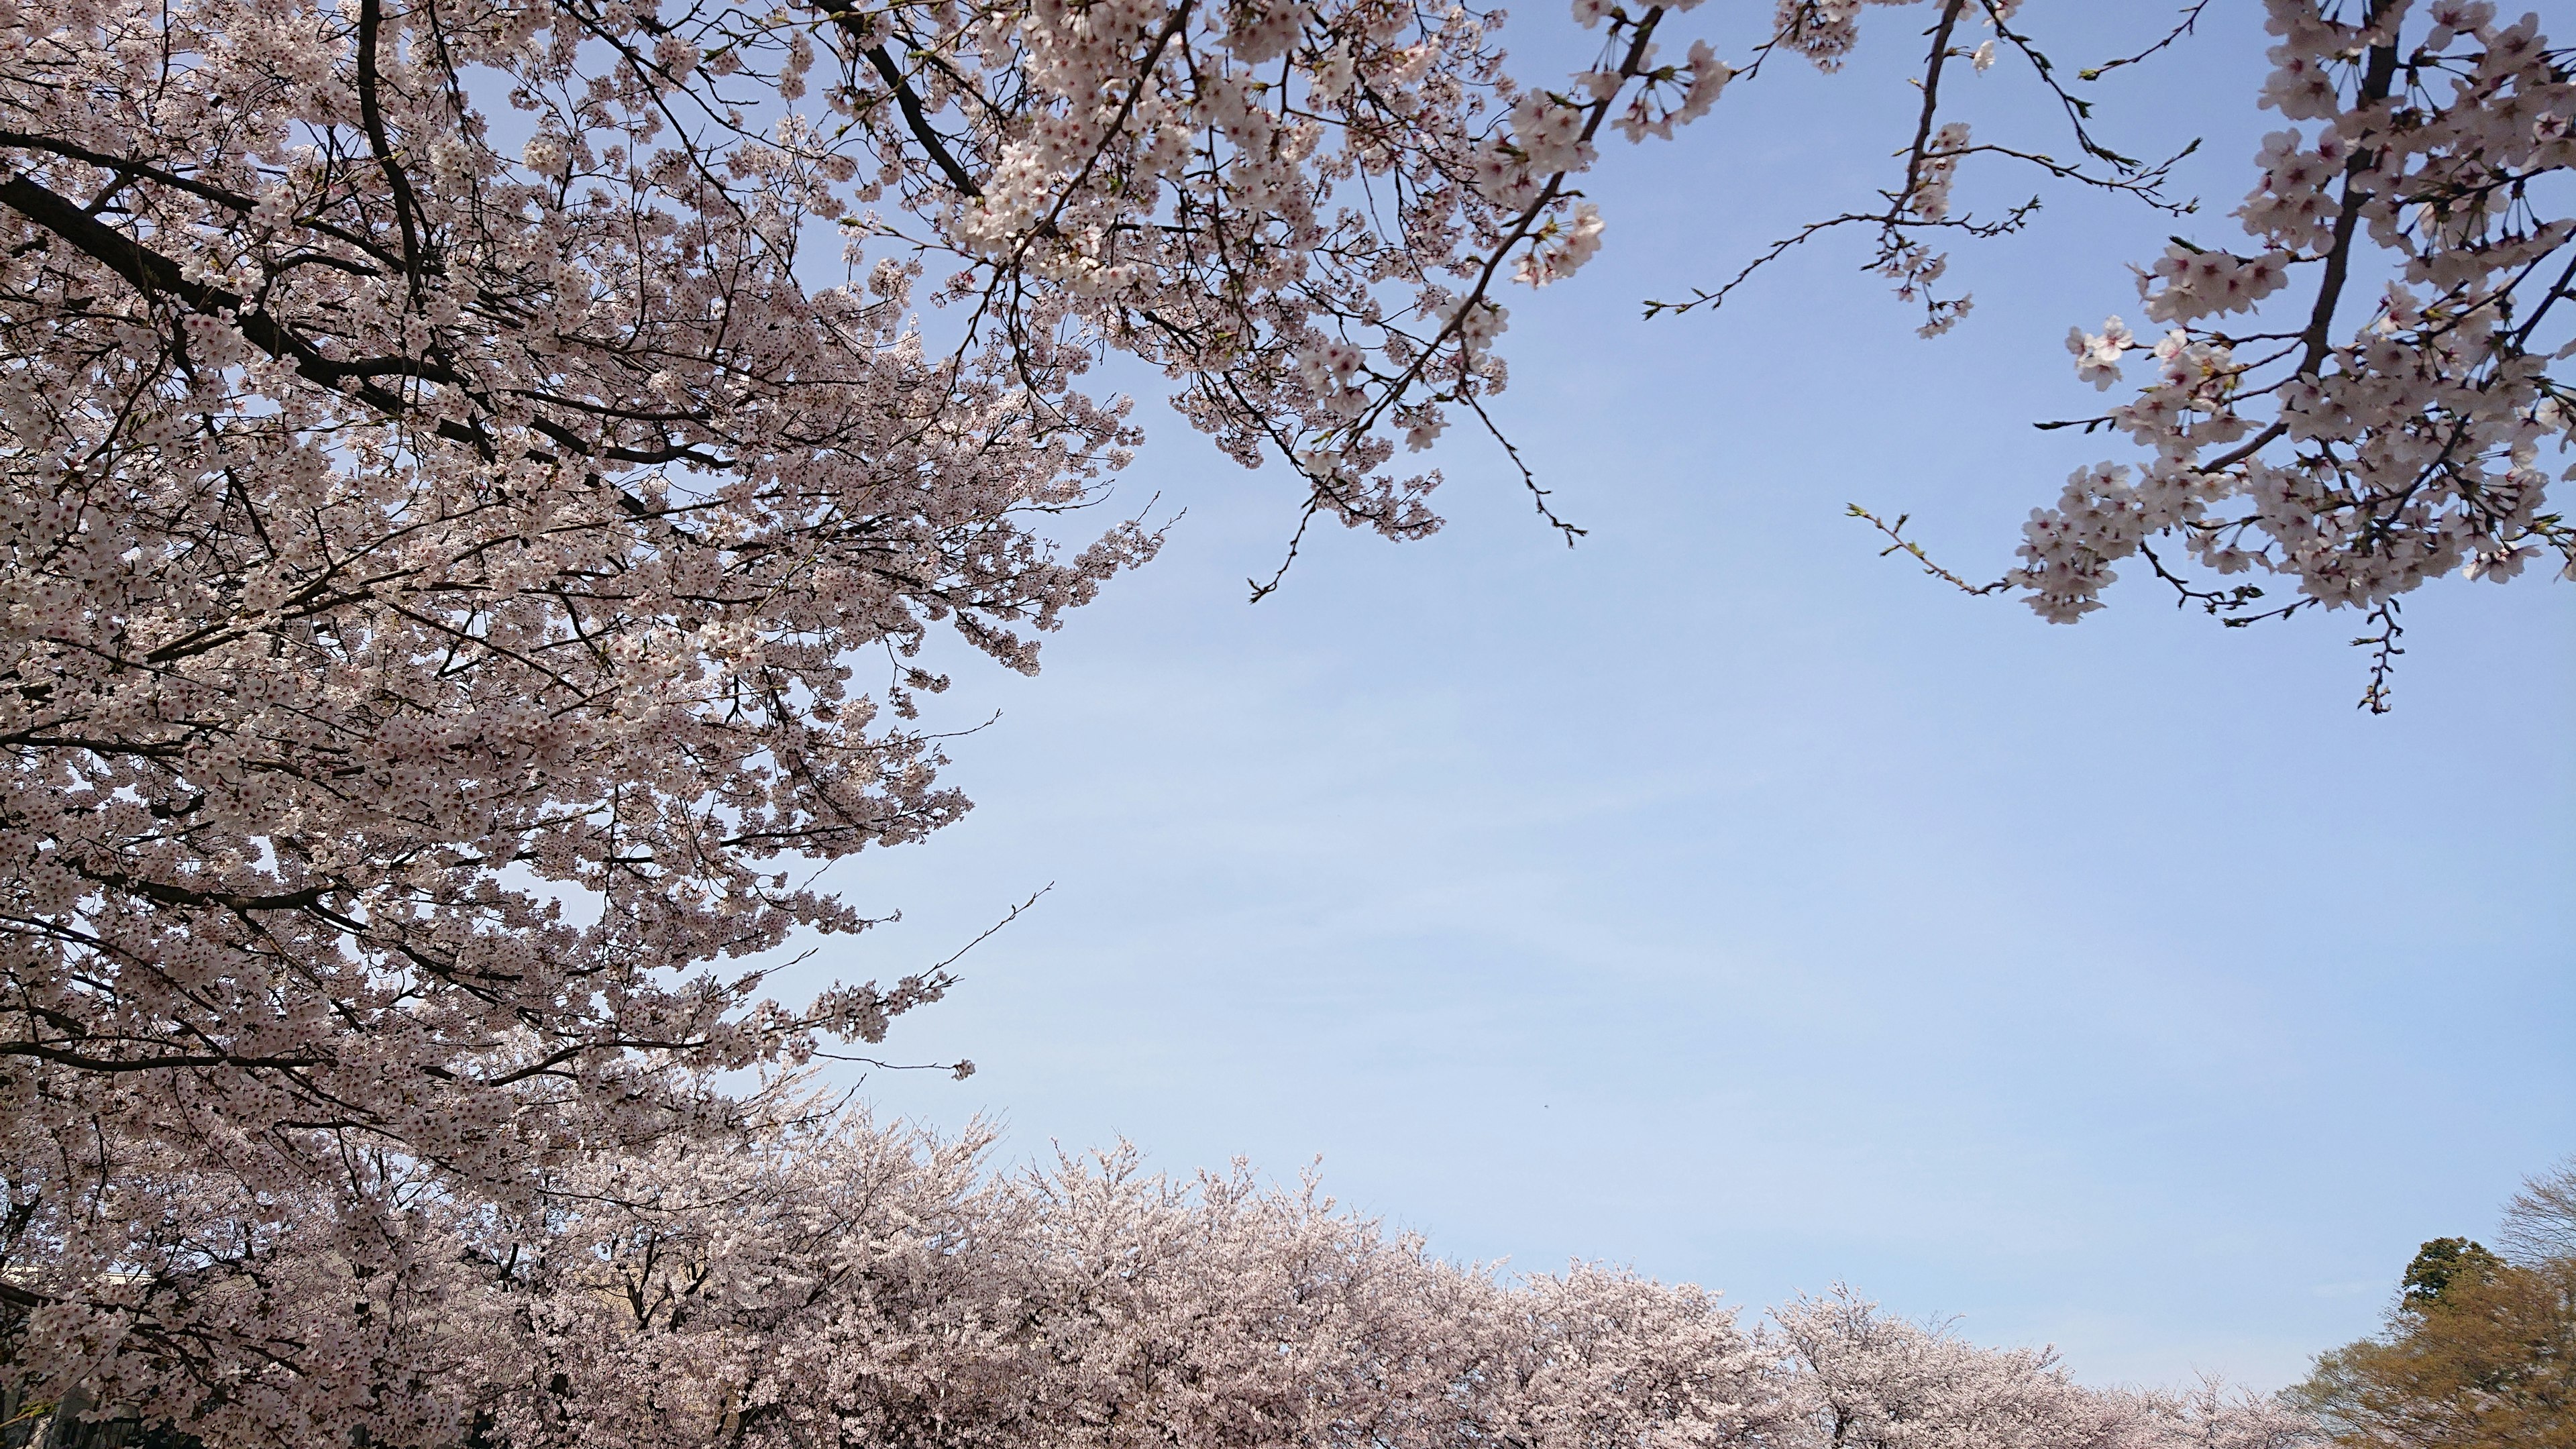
pixel 462 573
pixel 837 1284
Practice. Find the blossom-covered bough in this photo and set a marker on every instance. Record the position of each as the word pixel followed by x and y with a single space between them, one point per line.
pixel 476 480
pixel 2378 436
pixel 2383 422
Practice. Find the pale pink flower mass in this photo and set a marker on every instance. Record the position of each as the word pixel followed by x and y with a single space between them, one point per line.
pixel 461 578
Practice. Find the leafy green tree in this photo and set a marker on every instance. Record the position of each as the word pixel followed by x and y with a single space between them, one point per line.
pixel 2440 1263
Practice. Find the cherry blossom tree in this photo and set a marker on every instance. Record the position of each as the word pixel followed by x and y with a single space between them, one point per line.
pixel 445 529
pixel 465 574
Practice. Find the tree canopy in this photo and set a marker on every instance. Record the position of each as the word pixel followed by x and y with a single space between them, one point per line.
pixel 2441 1263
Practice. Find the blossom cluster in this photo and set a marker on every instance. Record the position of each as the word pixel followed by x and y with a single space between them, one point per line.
pixel 1228 191
pixel 2357 403
pixel 2364 445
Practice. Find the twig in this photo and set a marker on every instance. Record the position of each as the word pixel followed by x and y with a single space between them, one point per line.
pixel 1899 543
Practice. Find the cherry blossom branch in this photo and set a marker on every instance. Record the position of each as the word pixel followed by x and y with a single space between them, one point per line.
pixel 1899 543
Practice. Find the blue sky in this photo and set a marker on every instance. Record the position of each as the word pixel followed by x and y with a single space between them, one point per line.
pixel 1720 898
